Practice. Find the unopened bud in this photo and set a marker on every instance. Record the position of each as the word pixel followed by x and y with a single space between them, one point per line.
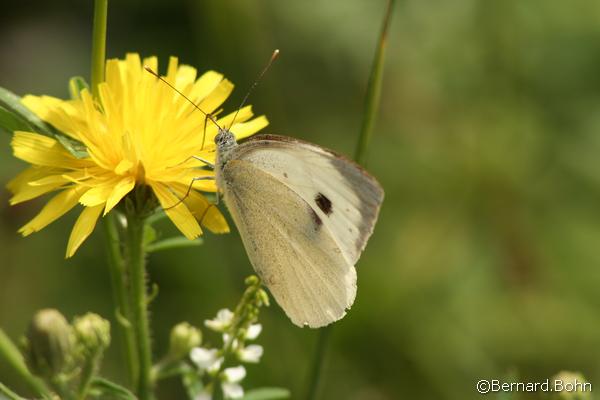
pixel 183 338
pixel 92 333
pixel 49 343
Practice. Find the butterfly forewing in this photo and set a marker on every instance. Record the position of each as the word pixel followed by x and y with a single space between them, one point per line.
pixel 304 214
pixel 344 196
pixel 292 252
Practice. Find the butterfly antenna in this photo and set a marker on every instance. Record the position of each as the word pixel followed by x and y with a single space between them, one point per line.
pixel 273 57
pixel 209 116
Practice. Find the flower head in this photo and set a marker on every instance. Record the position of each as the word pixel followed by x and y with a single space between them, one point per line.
pixel 221 322
pixel 139 132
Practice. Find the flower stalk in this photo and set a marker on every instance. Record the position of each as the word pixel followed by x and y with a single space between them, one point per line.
pixel 98 43
pixel 116 267
pixel 115 263
pixel 136 264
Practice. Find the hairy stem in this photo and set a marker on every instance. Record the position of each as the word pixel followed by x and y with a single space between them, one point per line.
pixel 137 274
pixel 118 280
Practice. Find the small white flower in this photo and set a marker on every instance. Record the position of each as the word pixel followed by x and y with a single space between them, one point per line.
pixel 234 374
pixel 232 390
pixel 253 331
pixel 221 321
pixel 250 354
pixel 205 359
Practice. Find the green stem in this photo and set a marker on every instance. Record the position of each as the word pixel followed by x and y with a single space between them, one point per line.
pixel 119 289
pixel 374 88
pixel 116 263
pixel 318 361
pixel 89 370
pixel 98 44
pixel 370 112
pixel 139 302
pixel 11 356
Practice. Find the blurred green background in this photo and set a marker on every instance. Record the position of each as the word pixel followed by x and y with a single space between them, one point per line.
pixel 486 258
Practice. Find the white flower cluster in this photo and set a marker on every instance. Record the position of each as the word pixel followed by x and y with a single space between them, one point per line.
pixel 211 360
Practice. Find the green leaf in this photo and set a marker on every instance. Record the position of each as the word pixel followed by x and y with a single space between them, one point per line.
pixel 11 102
pixel 267 393
pixel 111 390
pixel 10 122
pixel 173 243
pixel 73 146
pixel 76 85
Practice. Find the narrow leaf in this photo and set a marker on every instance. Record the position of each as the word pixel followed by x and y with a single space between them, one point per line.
pixel 173 243
pixel 111 389
pixel 12 102
pixel 10 122
pixel 267 393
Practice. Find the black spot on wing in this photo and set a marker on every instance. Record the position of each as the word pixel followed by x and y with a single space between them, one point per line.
pixel 323 203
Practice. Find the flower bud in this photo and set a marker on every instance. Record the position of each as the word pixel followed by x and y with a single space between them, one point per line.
pixel 92 333
pixel 183 338
pixel 49 343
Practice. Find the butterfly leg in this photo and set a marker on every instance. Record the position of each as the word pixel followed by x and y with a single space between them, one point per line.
pixel 208 163
pixel 189 189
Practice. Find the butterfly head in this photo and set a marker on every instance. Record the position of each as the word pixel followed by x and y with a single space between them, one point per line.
pixel 225 140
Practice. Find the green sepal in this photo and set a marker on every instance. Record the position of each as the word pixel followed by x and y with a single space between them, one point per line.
pixel 76 85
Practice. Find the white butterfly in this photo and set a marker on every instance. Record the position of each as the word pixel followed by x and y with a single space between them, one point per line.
pixel 304 214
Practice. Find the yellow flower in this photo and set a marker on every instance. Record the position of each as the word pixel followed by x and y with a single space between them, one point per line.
pixel 139 132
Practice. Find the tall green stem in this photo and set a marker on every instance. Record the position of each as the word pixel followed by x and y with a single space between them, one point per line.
pixel 98 43
pixel 370 112
pixel 134 247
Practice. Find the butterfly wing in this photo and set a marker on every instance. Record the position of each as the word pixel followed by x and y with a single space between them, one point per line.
pixel 305 215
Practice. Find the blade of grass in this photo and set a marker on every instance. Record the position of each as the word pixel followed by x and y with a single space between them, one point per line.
pixel 370 113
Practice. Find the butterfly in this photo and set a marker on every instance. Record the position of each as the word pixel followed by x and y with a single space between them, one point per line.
pixel 304 214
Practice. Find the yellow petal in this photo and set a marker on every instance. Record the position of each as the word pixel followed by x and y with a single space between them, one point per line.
pixel 179 214
pixel 99 192
pixel 83 228
pixel 42 150
pixel 120 190
pixel 206 213
pixel 216 97
pixel 245 129
pixel 24 177
pixel 61 114
pixel 54 209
